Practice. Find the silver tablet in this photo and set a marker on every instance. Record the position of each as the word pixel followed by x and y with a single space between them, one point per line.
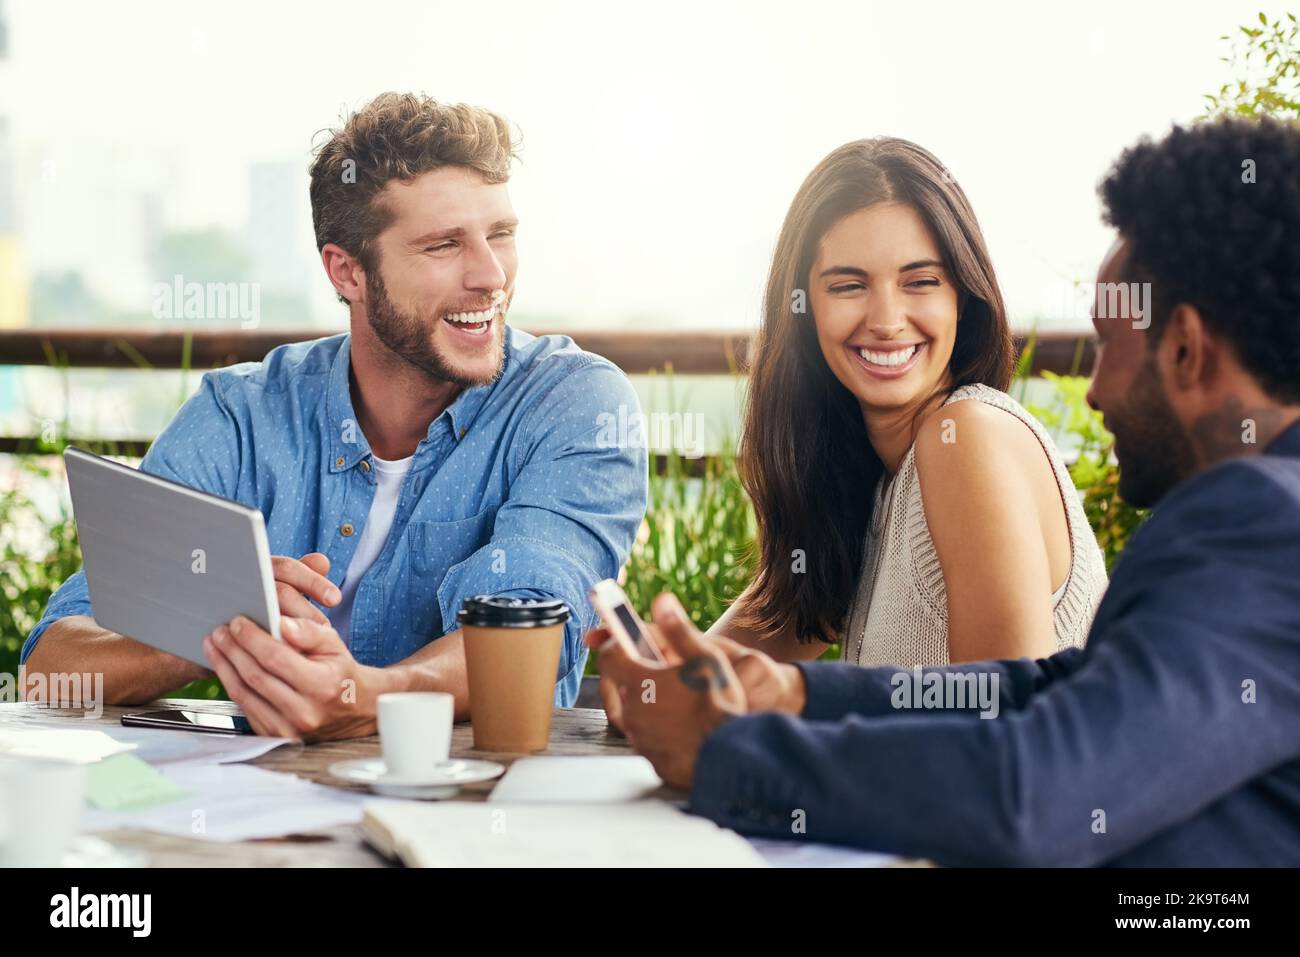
pixel 167 564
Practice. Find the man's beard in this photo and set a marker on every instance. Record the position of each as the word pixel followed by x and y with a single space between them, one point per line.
pixel 1155 453
pixel 411 338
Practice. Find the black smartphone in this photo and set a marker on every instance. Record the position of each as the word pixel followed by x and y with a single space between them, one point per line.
pixel 207 721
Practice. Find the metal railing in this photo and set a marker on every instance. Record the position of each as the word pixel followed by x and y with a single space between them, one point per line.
pixel 698 352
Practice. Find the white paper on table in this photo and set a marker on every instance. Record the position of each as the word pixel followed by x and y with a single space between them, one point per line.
pixel 157 747
pixel 618 778
pixel 625 834
pixel 162 747
pixel 594 779
pixel 234 802
pixel 805 854
pixel 60 743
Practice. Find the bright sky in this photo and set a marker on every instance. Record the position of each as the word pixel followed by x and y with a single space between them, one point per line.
pixel 662 142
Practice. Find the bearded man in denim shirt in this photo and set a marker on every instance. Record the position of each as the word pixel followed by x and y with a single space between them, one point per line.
pixel 431 454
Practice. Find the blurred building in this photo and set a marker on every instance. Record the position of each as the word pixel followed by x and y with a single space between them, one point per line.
pixel 277 212
pixel 14 307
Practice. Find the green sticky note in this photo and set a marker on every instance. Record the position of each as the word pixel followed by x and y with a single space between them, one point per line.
pixel 124 781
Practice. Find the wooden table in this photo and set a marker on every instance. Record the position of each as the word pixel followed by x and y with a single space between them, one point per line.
pixel 573 731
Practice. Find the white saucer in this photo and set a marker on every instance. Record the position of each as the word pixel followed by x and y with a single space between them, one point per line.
pixel 441 781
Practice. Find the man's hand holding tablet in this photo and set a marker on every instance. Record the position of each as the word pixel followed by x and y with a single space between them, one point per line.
pixel 164 563
pixel 78 642
pixel 297 579
pixel 307 686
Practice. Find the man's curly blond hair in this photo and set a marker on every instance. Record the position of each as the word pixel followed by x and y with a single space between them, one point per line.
pixel 397 136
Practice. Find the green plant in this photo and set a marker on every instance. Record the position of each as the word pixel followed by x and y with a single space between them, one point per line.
pixel 697 538
pixel 29 573
pixel 1074 423
pixel 1265 61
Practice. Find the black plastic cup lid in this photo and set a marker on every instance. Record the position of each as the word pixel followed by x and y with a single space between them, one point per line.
pixel 498 611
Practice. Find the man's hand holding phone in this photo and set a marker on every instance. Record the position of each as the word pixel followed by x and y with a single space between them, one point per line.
pixel 769 685
pixel 668 710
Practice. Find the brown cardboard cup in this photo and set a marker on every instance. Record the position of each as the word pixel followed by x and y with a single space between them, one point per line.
pixel 512 654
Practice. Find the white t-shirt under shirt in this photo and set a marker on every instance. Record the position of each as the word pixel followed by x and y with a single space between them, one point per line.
pixel 374 534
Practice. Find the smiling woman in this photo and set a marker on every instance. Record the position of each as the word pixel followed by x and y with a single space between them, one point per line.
pixel 856 409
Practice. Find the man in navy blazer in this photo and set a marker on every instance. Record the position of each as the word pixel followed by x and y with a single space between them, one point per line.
pixel 1173 738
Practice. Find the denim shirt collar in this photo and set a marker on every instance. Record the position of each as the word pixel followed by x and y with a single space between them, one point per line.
pixel 348 445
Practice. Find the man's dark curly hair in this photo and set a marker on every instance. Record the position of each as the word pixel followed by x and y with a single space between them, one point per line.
pixel 1201 234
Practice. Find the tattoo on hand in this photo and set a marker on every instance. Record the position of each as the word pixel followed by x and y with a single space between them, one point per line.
pixel 703 673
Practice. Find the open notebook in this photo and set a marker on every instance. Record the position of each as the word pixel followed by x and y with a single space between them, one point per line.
pixel 631 834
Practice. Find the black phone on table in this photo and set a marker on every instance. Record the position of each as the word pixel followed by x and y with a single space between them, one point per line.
pixel 207 721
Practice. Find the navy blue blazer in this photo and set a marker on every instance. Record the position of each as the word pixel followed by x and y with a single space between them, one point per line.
pixel 1172 739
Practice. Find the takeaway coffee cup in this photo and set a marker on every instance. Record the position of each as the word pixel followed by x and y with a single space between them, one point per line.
pixel 512 653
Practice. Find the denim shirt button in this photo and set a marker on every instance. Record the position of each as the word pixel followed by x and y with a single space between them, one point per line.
pixel 346 529
pixel 338 462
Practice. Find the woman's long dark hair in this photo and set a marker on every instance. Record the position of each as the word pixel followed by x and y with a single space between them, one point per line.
pixel 805 458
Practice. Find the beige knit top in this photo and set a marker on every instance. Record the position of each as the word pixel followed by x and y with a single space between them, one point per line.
pixel 900 613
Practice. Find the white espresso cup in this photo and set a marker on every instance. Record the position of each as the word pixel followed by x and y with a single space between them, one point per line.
pixel 415 731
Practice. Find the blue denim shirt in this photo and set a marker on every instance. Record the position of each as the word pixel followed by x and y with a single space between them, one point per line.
pixel 513 491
